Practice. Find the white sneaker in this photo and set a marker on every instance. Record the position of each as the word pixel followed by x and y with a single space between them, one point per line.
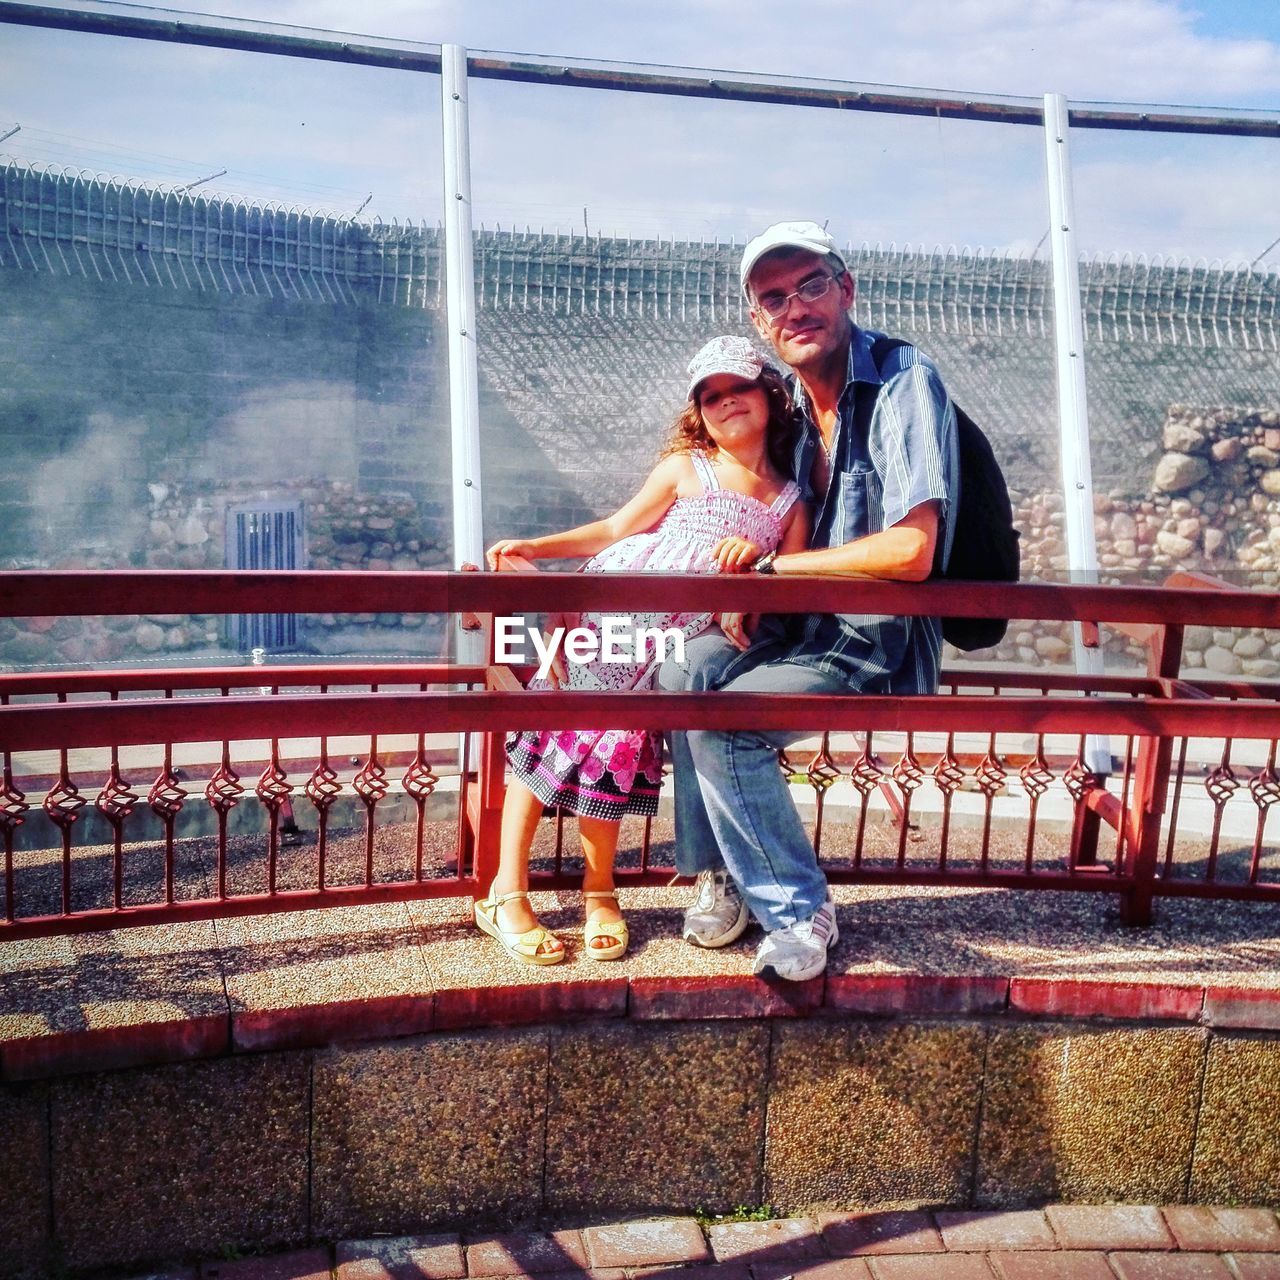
pixel 799 951
pixel 718 914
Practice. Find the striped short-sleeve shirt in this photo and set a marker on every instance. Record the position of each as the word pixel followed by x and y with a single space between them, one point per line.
pixel 884 463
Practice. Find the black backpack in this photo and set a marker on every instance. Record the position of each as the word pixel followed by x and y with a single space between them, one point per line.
pixel 984 546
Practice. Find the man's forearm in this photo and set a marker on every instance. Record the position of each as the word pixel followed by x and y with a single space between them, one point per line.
pixel 904 552
pixel 895 553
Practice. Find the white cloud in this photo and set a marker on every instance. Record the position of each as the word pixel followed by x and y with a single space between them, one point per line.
pixel 1223 212
pixel 1126 50
pixel 1123 50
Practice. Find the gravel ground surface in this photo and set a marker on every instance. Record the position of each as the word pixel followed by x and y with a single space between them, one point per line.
pixel 404 950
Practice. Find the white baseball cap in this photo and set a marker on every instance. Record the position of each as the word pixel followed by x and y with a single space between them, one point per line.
pixel 725 354
pixel 787 235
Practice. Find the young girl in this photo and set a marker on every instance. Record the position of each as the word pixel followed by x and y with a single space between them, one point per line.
pixel 717 500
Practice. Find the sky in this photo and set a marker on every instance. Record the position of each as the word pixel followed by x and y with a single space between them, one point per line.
pixel 344 138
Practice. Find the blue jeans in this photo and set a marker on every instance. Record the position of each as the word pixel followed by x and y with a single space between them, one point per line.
pixel 733 804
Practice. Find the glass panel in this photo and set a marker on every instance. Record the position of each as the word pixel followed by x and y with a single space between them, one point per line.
pixel 1181 279
pixel 602 269
pixel 214 305
pixel 219 291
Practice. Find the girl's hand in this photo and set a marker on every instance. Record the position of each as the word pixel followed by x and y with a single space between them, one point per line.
pixel 733 555
pixel 558 676
pixel 510 547
pixel 737 627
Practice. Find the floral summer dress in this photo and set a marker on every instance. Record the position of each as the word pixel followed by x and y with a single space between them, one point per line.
pixel 611 772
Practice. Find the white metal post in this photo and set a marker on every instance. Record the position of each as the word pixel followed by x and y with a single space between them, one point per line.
pixel 464 385
pixel 1073 406
pixel 460 316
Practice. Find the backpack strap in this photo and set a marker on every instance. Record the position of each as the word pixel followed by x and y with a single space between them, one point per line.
pixel 881 349
pixel 865 393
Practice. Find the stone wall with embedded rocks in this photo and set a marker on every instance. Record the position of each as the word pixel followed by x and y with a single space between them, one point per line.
pixel 1213 506
pixel 343 529
pixel 107 388
pixel 1217 487
pixel 186 530
pixel 956 1098
pixel 130 418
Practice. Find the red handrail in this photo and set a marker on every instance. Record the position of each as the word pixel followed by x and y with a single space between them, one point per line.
pixel 370 701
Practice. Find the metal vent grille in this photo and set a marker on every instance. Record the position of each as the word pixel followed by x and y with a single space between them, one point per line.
pixel 265 536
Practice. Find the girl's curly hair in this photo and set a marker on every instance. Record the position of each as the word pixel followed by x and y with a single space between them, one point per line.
pixel 689 432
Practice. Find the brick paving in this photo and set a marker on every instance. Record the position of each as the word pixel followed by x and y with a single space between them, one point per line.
pixel 1083 1264
pixel 434 1257
pixel 1256 1266
pixel 1170 1266
pixel 985 1232
pixel 781 1240
pixel 654 1242
pixel 1060 1242
pixel 814 1269
pixel 527 1253
pixel 1197 1229
pixel 855 1234
pixel 1109 1226
pixel 951 1266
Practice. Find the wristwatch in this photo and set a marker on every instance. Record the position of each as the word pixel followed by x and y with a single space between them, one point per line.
pixel 765 563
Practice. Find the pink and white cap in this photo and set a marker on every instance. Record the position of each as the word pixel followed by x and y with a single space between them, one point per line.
pixel 725 354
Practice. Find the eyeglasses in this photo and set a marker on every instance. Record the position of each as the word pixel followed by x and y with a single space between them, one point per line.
pixel 774 304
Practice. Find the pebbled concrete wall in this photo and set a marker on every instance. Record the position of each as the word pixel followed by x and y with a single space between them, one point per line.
pixel 1088 1114
pixel 25 1244
pixel 606 1117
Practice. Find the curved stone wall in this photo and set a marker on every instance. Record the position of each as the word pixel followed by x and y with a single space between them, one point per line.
pixel 469 1128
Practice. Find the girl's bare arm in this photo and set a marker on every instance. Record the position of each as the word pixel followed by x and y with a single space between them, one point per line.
pixel 795 534
pixel 643 511
pixel 734 555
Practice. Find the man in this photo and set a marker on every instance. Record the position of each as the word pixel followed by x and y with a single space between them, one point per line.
pixel 876 454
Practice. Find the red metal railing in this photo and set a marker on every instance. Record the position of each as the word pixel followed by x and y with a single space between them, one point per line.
pixel 987 783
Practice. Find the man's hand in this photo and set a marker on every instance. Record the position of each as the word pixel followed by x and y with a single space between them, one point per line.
pixel 738 627
pixel 733 555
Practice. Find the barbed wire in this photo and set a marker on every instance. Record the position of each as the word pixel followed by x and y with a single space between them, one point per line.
pixel 69 221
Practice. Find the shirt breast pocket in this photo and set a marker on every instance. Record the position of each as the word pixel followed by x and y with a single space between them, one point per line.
pixel 859 501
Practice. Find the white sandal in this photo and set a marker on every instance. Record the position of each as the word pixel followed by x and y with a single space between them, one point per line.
pixel 614 930
pixel 526 945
